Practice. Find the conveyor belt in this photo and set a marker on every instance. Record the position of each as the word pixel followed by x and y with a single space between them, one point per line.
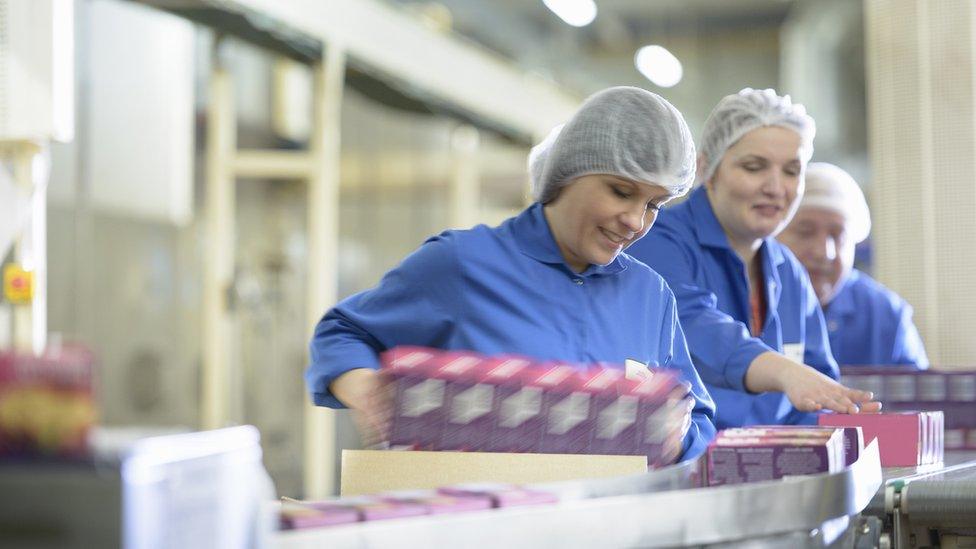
pixel 897 477
pixel 792 512
pixel 943 499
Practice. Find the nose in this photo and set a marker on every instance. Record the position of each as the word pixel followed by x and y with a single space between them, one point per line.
pixel 633 219
pixel 824 248
pixel 774 184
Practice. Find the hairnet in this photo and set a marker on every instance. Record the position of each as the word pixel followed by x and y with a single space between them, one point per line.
pixel 740 113
pixel 831 188
pixel 622 131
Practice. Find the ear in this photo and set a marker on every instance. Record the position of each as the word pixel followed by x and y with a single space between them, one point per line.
pixel 700 167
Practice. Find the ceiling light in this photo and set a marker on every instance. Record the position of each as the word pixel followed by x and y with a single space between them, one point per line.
pixel 578 13
pixel 658 65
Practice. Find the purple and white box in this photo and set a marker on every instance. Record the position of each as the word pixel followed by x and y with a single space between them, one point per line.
pixel 469 420
pixel 502 495
pixel 568 410
pixel 517 406
pixel 419 399
pixel 440 504
pixel 735 460
pixel 853 436
pixel 658 413
pixel 616 429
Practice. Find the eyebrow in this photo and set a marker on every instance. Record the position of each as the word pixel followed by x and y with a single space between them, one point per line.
pixel 621 180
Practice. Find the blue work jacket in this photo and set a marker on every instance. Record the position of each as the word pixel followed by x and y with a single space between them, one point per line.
pixel 688 247
pixel 507 289
pixel 872 325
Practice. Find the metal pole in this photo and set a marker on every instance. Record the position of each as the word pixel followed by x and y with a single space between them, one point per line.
pixel 219 249
pixel 323 231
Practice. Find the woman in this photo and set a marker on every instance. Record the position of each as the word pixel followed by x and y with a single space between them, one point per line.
pixel 551 283
pixel 754 327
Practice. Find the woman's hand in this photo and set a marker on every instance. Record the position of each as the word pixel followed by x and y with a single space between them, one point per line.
pixel 808 389
pixel 680 421
pixel 368 396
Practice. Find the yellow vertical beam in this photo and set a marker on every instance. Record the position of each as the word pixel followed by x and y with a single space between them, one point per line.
pixel 323 242
pixel 463 209
pixel 29 320
pixel 219 251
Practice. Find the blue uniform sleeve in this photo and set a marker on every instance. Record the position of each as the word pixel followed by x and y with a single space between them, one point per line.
pixel 412 305
pixel 816 349
pixel 721 346
pixel 702 428
pixel 908 348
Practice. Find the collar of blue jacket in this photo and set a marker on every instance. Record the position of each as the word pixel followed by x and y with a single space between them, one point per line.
pixel 535 239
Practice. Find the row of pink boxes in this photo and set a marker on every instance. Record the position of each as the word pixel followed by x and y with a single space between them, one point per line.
pixel 904 389
pixel 295 514
pixel 769 452
pixel 469 402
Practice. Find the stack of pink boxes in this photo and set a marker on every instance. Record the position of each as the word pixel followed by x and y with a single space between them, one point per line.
pixel 769 452
pixel 297 514
pixel 903 389
pixel 905 439
pixel 463 401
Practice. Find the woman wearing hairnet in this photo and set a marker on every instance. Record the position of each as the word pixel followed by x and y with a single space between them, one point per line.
pixel 754 327
pixel 868 324
pixel 551 283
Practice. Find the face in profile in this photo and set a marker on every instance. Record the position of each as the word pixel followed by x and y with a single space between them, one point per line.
pixel 819 239
pixel 596 217
pixel 755 188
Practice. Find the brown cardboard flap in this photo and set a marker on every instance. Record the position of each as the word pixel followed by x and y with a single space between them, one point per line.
pixel 372 471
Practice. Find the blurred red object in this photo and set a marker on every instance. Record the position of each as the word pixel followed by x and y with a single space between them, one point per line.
pixel 47 404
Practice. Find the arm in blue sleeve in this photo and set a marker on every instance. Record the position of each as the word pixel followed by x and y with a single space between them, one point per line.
pixel 410 306
pixel 721 346
pixel 909 348
pixel 702 428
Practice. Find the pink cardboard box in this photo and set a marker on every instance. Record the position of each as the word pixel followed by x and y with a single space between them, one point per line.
pixel 468 402
pixel 440 504
pixel 853 436
pixel 376 508
pixel 421 406
pixel 568 410
pixel 903 437
pixel 517 407
pixel 298 515
pixel 658 398
pixel 615 431
pixel 418 400
pixel 502 495
pixel 735 460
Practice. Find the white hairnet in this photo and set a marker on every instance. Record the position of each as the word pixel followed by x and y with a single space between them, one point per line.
pixel 622 131
pixel 740 113
pixel 831 188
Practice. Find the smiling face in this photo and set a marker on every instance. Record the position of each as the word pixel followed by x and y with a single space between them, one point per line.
pixel 819 239
pixel 596 217
pixel 754 191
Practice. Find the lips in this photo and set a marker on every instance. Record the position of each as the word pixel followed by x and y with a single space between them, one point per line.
pixel 614 237
pixel 768 209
